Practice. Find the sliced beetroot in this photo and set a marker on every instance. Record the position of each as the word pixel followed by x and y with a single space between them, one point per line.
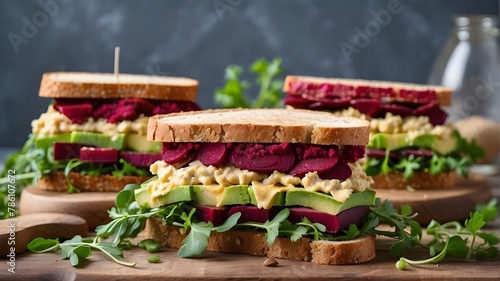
pixel 296 101
pixel 77 113
pixel 104 110
pixel 325 103
pixel 141 106
pixel 123 112
pixel 353 152
pixel 379 153
pixel 436 115
pixel 373 92
pixel 331 222
pixel 140 159
pixel 394 109
pixel 175 106
pixel 352 216
pixel 424 153
pixel 263 158
pixel 305 166
pixel 251 213
pixel 175 152
pixel 341 171
pixel 67 150
pixel 216 215
pixel 98 155
pixel 418 96
pixel 366 106
pixel 214 154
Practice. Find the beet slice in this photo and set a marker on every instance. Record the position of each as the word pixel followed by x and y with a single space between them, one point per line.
pixel 323 103
pixel 366 106
pixel 353 153
pixel 394 109
pixel 432 110
pixel 341 171
pixel 98 155
pixel 313 165
pixel 352 216
pixel 67 150
pixel 216 215
pixel 379 153
pixel 140 159
pixel 141 106
pixel 251 213
pixel 212 153
pixel 263 158
pixel 424 153
pixel 333 223
pixel 77 113
pixel 175 152
pixel 296 101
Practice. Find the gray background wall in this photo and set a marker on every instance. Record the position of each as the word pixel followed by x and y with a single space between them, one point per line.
pixel 200 38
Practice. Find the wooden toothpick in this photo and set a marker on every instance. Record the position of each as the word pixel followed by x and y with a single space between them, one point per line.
pixel 117 63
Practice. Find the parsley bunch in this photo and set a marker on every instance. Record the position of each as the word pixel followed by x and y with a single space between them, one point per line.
pixel 233 94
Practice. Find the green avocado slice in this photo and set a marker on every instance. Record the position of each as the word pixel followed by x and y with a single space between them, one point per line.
pixel 98 139
pixel 45 142
pixel 325 202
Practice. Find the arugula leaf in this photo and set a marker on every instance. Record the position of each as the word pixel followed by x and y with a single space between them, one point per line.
pixel 154 259
pixel 409 164
pixel 150 245
pixel 232 95
pixel 489 211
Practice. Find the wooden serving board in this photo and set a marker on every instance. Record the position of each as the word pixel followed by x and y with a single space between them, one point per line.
pixel 453 204
pixel 91 206
pixel 219 266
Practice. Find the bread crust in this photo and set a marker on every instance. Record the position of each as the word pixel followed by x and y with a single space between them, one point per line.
pixel 419 180
pixel 443 93
pixel 253 243
pixel 258 126
pixel 56 181
pixel 103 85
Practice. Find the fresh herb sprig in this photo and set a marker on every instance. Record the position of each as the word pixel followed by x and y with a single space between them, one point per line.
pixel 451 239
pixel 233 94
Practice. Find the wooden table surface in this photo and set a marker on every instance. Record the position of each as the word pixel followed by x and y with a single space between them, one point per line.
pixel 218 266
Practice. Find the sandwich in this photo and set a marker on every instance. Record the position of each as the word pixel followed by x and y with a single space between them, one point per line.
pixel 93 135
pixel 411 145
pixel 295 173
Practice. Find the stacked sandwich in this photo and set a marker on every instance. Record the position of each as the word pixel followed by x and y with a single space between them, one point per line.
pixel 411 145
pixel 259 164
pixel 94 131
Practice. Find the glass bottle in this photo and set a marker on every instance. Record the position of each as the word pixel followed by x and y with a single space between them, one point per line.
pixel 468 64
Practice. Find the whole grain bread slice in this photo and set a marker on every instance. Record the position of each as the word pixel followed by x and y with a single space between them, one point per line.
pixel 56 181
pixel 354 251
pixel 258 126
pixel 443 93
pixel 419 180
pixel 105 85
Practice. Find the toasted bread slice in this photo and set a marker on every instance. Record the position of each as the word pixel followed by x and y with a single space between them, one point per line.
pixel 355 251
pixel 105 85
pixel 56 181
pixel 258 126
pixel 443 93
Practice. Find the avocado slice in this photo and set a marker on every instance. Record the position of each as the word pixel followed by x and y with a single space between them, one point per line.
pixel 136 142
pixel 45 142
pixel 235 195
pixel 278 200
pixel 426 140
pixel 388 141
pixel 325 202
pixel 99 140
pixel 445 146
pixel 178 194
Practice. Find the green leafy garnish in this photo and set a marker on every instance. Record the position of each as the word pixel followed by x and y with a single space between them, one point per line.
pixel 233 94
pixel 154 259
pixel 454 240
pixel 150 245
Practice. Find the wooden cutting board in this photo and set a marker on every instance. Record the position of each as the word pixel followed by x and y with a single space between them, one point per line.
pixel 453 204
pixel 91 206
